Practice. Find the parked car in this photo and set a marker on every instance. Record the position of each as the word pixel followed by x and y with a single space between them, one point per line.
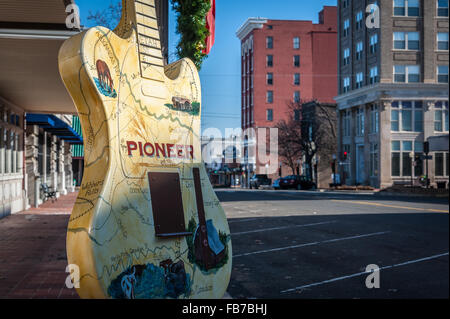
pixel 258 180
pixel 276 184
pixel 297 182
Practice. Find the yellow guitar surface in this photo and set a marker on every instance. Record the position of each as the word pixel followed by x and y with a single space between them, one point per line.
pixel 146 223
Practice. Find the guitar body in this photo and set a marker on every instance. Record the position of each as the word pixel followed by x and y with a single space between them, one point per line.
pixel 146 223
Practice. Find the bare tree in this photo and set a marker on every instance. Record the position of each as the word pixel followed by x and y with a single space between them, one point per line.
pixel 310 128
pixel 108 17
pixel 289 133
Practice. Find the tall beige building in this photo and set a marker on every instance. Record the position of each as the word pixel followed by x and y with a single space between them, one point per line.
pixel 393 90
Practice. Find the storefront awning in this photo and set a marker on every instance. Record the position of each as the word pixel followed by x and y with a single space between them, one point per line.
pixel 31 34
pixel 55 126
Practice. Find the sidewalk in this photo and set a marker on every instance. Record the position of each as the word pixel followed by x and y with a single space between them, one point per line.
pixel 33 251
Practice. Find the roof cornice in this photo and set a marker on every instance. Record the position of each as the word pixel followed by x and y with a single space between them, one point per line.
pixel 249 25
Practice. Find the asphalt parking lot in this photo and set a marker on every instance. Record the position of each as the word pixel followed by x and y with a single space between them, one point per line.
pixel 299 244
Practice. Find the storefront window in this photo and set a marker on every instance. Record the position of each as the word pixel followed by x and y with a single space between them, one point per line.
pixel 402 160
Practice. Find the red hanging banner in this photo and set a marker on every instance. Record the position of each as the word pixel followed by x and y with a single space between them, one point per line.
pixel 211 26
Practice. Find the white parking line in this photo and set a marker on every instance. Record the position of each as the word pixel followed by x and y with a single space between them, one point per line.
pixel 362 273
pixel 313 243
pixel 282 227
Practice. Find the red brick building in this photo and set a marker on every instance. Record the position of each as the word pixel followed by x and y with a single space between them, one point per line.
pixel 283 61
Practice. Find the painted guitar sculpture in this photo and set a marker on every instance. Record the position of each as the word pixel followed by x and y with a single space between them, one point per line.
pixel 146 223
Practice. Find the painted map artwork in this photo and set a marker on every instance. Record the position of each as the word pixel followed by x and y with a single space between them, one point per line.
pixel 141 118
pixel 217 241
pixel 104 81
pixel 169 280
pixel 106 91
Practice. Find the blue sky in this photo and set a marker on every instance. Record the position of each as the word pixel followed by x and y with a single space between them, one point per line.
pixel 220 73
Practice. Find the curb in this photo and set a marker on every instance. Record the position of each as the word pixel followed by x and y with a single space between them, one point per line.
pixel 412 195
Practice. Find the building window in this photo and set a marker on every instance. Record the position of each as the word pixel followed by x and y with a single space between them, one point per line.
pixel 399 40
pixel 269 61
pixel 296 61
pixel 296 42
pixel 346 86
pixel 269 78
pixel 373 43
pixel 297 97
pixel 345 3
pixel 399 7
pixel 406 8
pixel 442 41
pixel 373 159
pixel 359 50
pixel 359 20
pixel 346 118
pixel 406 40
pixel 402 158
pixel 442 8
pixel 269 42
pixel 297 79
pixel 373 75
pixel 412 38
pixel 359 80
pixel 442 73
pixel 439 167
pixel 269 97
pixel 406 73
pixel 296 115
pixel 441 116
pixel 360 121
pixel 413 8
pixel 374 119
pixel 346 56
pixel 269 114
pixel 269 27
pixel 346 27
pixel 406 116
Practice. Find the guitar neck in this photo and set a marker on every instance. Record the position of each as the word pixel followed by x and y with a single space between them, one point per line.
pixel 142 16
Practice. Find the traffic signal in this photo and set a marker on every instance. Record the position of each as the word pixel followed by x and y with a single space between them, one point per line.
pixel 426 147
pixel 345 156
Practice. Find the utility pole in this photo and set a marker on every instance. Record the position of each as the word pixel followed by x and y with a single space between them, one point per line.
pixel 334 170
pixel 426 150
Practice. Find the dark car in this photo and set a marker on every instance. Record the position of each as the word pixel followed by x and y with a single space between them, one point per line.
pixel 258 180
pixel 296 182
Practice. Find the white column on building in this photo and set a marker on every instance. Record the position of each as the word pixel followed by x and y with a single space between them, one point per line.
pixel 54 165
pixel 44 159
pixel 385 170
pixel 62 166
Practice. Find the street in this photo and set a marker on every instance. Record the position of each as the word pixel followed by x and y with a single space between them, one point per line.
pixel 286 244
pixel 291 244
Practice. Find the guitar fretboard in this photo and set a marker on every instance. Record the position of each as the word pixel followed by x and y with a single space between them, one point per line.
pixel 150 55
